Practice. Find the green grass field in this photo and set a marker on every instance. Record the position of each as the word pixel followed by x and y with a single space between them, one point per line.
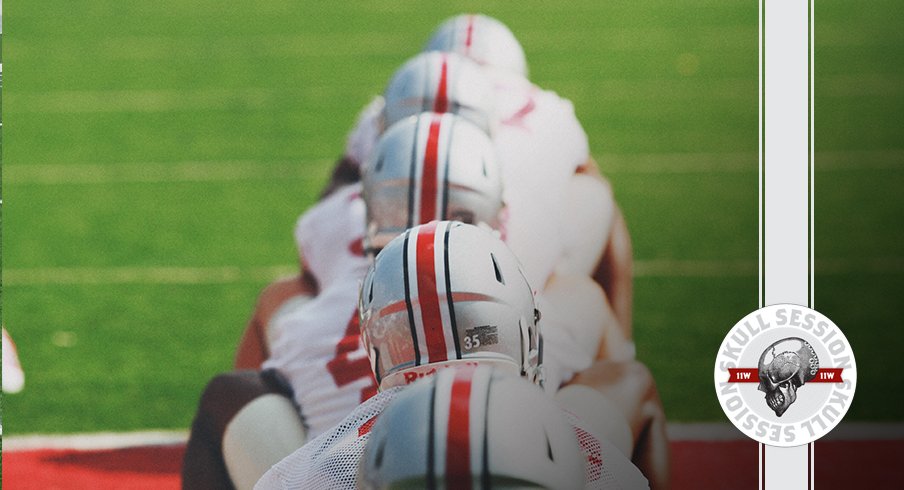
pixel 156 156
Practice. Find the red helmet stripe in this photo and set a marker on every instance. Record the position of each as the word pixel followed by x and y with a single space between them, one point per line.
pixel 429 184
pixel 469 36
pixel 428 298
pixel 458 437
pixel 441 104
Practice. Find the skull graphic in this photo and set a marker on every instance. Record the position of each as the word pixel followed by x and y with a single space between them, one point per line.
pixel 784 367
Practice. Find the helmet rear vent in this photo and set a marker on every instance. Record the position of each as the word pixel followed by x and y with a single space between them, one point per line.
pixel 548 446
pixel 378 460
pixel 497 270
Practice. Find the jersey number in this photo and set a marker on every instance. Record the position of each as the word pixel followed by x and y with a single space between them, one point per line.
pixel 345 370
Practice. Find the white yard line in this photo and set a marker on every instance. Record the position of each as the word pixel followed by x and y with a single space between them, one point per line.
pixel 263 98
pixel 848 431
pixel 228 274
pixel 681 163
pixel 243 170
pixel 94 441
pixel 144 101
pixel 235 170
pixel 142 275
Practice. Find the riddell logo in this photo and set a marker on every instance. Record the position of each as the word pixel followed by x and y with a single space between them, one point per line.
pixel 785 375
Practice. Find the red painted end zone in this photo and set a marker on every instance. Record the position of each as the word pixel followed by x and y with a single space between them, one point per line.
pixel 138 468
pixel 695 465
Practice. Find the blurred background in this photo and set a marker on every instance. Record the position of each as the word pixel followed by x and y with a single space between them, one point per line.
pixel 157 154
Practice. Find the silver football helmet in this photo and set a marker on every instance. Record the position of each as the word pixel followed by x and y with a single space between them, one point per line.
pixel 444 294
pixel 440 82
pixel 481 38
pixel 472 428
pixel 430 167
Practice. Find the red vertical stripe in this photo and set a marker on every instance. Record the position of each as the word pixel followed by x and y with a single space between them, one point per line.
pixel 429 184
pixel 441 103
pixel 458 440
pixel 428 298
pixel 470 35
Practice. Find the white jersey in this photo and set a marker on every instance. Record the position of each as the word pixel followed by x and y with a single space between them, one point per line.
pixel 330 236
pixel 331 460
pixel 317 343
pixel 540 145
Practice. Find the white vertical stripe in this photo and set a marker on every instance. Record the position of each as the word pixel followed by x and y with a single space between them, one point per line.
pixel 785 174
pixel 421 138
pixel 440 265
pixel 414 296
pixel 786 156
pixel 442 148
pixel 787 468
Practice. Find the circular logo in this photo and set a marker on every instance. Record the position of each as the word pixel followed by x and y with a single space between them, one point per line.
pixel 785 375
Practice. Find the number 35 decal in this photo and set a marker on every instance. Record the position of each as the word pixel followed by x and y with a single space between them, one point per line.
pixel 472 341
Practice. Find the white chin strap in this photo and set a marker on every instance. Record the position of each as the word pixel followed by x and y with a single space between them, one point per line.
pixel 263 432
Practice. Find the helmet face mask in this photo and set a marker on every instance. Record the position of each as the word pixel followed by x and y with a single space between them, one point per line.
pixel 430 167
pixel 446 294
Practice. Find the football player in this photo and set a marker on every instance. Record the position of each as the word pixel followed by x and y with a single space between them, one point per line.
pixel 563 219
pixel 426 167
pixel 447 295
pixel 457 430
pixel 563 212
pixel 428 82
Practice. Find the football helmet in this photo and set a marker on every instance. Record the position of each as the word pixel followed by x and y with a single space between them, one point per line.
pixel 472 428
pixel 439 82
pixel 444 294
pixel 481 38
pixel 430 167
